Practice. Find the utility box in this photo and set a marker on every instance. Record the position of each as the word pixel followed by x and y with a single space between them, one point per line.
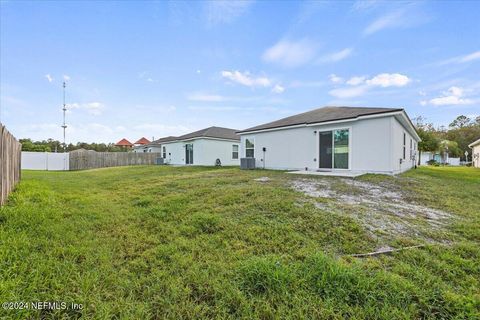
pixel 160 160
pixel 247 163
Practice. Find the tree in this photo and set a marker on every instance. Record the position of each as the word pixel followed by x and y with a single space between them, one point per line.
pixel 450 148
pixel 51 145
pixel 428 134
pixel 460 122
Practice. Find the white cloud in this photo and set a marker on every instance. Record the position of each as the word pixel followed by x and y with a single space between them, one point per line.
pixel 66 78
pixel 355 81
pixel 360 85
pixel 278 89
pixel 145 75
pixel 335 79
pixel 389 80
pixel 349 92
pixel 336 56
pixel 407 16
pixel 453 96
pixel 49 77
pixel 462 59
pixel 93 108
pixel 205 97
pixel 290 53
pixel 219 12
pixel 246 79
pixel 361 5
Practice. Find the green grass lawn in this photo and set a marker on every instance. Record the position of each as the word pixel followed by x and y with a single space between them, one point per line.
pixel 189 242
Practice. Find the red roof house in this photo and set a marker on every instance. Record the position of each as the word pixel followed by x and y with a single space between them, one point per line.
pixel 124 143
pixel 142 141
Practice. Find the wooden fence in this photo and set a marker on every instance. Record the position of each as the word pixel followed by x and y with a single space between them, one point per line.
pixel 88 159
pixel 10 162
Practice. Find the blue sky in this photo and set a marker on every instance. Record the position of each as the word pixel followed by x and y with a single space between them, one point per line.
pixel 166 68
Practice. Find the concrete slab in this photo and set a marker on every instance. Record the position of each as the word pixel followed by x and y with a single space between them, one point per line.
pixel 345 174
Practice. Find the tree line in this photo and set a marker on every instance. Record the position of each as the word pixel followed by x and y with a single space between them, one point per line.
pixel 51 145
pixel 453 140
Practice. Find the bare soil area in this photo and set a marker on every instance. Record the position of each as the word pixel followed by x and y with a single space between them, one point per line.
pixel 383 209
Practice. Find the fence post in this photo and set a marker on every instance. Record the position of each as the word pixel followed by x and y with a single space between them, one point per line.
pixel 10 162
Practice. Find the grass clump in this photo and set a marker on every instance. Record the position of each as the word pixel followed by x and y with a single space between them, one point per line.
pixel 264 275
pixel 206 223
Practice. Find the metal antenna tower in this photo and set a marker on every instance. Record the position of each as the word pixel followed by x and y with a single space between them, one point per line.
pixel 64 111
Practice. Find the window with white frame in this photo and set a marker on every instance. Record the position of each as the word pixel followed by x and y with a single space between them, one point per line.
pixel 164 152
pixel 249 148
pixel 411 148
pixel 235 151
pixel 404 145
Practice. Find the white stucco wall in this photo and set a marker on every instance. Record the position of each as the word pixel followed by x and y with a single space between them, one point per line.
pixel 408 162
pixel 205 152
pixel 175 152
pixel 374 146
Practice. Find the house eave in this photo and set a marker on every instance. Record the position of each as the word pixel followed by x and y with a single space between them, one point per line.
pixel 364 117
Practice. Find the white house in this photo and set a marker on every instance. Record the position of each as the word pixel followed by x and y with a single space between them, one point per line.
pixel 475 146
pixel 335 139
pixel 203 147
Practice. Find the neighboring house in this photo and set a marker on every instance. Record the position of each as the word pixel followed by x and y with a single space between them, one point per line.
pixel 140 145
pixel 335 139
pixel 475 146
pixel 201 147
pixel 124 143
pixel 156 145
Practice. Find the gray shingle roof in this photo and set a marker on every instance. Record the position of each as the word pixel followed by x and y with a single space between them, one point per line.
pixel 322 115
pixel 212 132
pixel 163 140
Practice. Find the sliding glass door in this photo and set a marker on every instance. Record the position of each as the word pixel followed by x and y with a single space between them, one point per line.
pixel 326 150
pixel 334 149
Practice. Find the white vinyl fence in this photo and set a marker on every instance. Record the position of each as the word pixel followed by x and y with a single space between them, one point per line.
pixel 45 161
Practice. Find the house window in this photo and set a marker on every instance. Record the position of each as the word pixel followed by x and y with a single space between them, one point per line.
pixel 235 151
pixel 164 152
pixel 411 148
pixel 249 148
pixel 404 145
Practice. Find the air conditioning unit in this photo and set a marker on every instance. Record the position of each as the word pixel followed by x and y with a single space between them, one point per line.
pixel 247 163
pixel 160 160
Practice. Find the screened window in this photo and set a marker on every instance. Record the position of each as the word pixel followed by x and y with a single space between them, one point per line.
pixel 235 151
pixel 340 148
pixel 249 148
pixel 164 152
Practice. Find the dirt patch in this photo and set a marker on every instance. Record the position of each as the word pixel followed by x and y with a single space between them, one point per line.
pixel 381 208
